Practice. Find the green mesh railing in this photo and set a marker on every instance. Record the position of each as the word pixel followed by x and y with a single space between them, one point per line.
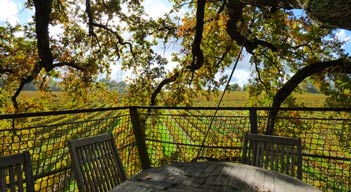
pixel 166 135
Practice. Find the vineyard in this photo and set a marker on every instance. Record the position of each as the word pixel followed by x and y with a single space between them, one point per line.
pixel 167 135
pixel 96 64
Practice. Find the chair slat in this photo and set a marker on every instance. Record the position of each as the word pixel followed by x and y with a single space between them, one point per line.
pixel 281 154
pixel 96 163
pixel 2 180
pixel 16 173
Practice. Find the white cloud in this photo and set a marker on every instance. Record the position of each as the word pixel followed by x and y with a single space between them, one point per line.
pixel 8 12
pixel 343 35
pixel 56 31
pixel 242 71
pixel 241 77
pixel 157 8
pixel 118 74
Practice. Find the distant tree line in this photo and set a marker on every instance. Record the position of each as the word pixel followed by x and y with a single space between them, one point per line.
pixel 234 87
pixel 121 86
pixel 305 87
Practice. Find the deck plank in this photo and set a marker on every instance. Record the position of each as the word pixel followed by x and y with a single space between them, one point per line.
pixel 211 177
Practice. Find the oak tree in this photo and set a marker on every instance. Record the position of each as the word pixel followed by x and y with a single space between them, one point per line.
pixel 203 38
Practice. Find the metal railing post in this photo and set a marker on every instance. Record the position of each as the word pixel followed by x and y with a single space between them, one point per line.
pixel 253 120
pixel 139 134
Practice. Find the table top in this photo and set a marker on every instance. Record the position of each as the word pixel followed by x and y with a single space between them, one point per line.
pixel 212 176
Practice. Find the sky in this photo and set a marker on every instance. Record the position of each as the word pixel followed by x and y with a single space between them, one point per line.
pixel 12 11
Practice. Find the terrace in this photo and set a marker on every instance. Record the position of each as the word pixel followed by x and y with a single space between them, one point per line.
pixel 154 136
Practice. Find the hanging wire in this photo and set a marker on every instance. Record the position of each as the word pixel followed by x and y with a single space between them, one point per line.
pixel 226 86
pixel 220 101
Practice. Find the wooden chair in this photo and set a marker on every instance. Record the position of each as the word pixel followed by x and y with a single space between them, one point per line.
pixel 96 163
pixel 16 173
pixel 282 154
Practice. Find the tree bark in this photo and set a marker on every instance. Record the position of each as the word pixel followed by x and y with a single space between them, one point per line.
pixel 328 13
pixel 42 18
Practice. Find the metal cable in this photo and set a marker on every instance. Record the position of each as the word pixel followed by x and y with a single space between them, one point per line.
pixel 226 86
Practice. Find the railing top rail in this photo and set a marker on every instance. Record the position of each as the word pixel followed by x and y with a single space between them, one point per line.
pixel 35 114
pixel 48 113
pixel 345 109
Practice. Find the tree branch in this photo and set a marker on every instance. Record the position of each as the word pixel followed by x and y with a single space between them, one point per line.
pixel 224 55
pixel 235 11
pixel 19 89
pixel 285 4
pixel 342 65
pixel 70 64
pixel 42 18
pixel 259 77
pixel 198 57
pixel 92 24
pixel 161 85
pixel 36 70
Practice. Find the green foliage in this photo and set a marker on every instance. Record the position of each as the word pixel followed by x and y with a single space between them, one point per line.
pixel 338 90
pixel 300 43
pixel 121 31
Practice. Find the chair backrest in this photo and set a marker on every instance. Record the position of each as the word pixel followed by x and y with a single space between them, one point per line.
pixel 96 163
pixel 281 154
pixel 16 173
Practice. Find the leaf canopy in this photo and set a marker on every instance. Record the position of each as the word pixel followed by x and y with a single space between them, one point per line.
pixel 179 55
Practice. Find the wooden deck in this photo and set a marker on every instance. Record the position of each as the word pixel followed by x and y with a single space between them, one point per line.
pixel 211 177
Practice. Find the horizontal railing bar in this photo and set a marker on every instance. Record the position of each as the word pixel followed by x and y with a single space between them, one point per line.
pixel 52 172
pixel 193 145
pixel 224 147
pixel 49 113
pixel 249 108
pixel 327 157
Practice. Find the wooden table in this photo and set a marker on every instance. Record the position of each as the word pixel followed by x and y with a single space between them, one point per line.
pixel 211 176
